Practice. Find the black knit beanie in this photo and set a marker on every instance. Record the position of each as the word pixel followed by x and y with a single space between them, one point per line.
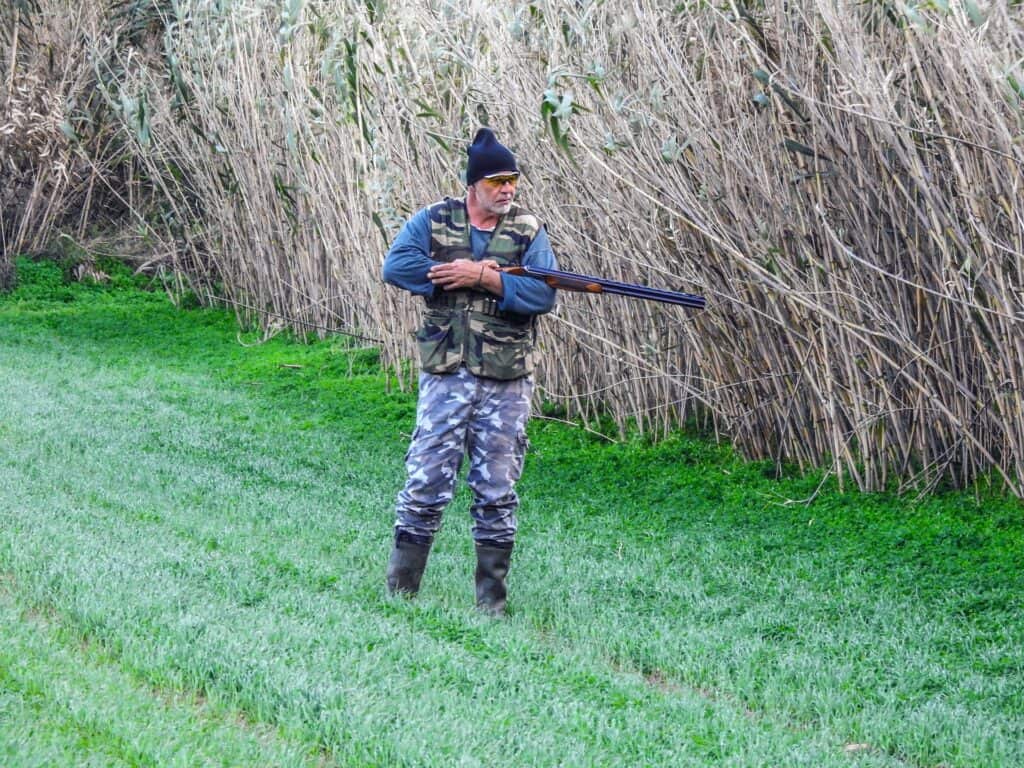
pixel 487 157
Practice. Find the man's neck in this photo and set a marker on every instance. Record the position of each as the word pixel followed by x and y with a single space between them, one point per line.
pixel 480 217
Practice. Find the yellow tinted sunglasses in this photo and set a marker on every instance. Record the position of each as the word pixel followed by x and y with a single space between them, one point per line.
pixel 497 182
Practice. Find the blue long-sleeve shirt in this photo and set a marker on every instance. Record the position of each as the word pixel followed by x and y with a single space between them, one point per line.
pixel 408 262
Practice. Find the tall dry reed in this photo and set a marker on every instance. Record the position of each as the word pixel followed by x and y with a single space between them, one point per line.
pixel 841 179
pixel 65 169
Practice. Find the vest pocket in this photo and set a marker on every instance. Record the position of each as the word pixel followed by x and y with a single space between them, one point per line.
pixel 434 342
pixel 500 349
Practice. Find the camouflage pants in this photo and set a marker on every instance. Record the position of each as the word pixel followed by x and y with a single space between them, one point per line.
pixel 460 414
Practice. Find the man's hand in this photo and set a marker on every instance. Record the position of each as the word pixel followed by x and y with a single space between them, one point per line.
pixel 465 273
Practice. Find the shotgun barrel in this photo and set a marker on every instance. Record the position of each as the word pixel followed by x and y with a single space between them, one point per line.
pixel 571 281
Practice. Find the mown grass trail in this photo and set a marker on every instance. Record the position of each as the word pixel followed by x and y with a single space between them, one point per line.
pixel 193 535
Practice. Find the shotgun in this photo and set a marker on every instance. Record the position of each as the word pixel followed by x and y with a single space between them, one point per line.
pixel 570 281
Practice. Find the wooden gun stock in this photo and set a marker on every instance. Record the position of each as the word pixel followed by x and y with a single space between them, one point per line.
pixel 555 281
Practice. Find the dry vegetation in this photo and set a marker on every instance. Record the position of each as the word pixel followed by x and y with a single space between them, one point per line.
pixel 65 168
pixel 840 179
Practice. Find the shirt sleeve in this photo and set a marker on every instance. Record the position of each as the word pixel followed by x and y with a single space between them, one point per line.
pixel 408 261
pixel 528 295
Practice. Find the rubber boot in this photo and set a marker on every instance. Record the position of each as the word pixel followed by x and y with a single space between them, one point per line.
pixel 491 569
pixel 405 568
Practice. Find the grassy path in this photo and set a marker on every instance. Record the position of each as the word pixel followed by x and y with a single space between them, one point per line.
pixel 63 702
pixel 191 529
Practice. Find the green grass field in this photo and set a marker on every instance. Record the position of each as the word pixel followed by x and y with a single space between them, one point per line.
pixel 193 534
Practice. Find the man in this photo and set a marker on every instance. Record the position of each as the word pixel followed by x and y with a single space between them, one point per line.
pixel 476 349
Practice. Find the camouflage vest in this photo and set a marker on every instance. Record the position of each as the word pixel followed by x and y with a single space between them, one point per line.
pixel 466 326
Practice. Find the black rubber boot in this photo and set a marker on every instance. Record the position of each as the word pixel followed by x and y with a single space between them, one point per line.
pixel 405 568
pixel 492 563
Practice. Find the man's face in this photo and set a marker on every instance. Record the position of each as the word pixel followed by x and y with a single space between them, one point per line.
pixel 495 193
